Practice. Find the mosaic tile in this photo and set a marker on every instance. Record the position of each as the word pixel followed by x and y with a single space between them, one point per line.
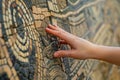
pixel 27 50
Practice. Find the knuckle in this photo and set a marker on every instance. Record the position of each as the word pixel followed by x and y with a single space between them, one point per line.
pixel 58 32
pixel 67 54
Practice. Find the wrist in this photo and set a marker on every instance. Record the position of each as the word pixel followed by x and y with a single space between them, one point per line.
pixel 92 54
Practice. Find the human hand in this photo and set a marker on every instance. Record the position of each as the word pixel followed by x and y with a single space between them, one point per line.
pixel 80 48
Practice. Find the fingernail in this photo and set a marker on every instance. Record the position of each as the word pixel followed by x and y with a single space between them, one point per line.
pixel 55 54
pixel 49 25
pixel 46 29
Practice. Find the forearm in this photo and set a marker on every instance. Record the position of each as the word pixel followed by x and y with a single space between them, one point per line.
pixel 105 53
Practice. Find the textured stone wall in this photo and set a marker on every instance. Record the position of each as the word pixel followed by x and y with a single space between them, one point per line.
pixel 26 50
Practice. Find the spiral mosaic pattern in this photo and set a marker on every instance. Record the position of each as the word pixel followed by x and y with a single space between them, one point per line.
pixel 26 50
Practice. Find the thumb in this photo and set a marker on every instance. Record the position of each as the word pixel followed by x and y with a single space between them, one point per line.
pixel 64 53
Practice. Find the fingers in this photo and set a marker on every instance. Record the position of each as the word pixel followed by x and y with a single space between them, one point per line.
pixel 51 31
pixel 63 35
pixel 52 27
pixel 63 42
pixel 60 33
pixel 64 53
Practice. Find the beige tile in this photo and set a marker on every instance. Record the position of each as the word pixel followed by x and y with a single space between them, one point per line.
pixel 38 24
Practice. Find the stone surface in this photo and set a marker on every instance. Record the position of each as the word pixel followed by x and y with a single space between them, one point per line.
pixel 26 50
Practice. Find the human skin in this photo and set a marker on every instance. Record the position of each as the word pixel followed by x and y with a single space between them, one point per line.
pixel 83 49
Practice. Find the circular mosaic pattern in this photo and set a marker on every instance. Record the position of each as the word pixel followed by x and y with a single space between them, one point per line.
pixel 18 31
pixel 26 50
pixel 17 22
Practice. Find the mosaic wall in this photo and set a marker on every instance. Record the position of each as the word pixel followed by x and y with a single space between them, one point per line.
pixel 26 50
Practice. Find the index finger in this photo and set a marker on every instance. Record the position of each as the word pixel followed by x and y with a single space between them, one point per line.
pixel 61 34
